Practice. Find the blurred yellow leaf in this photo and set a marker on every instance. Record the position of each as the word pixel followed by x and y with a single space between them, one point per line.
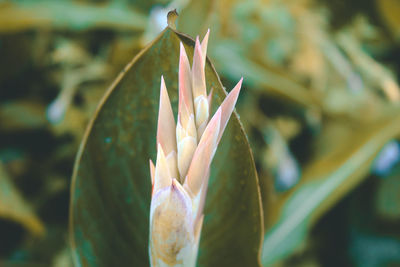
pixel 14 207
pixel 390 13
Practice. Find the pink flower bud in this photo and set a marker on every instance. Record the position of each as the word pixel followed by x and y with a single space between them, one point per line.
pixel 184 155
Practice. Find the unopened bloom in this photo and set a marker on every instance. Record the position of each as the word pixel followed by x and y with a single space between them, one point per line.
pixel 184 155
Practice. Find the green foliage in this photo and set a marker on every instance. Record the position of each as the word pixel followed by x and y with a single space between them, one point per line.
pixel 335 171
pixel 323 100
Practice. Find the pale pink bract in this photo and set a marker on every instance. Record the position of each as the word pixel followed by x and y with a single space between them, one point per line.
pixel 184 154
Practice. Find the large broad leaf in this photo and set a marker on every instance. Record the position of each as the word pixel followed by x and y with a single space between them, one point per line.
pixel 111 185
pixel 346 151
pixel 14 207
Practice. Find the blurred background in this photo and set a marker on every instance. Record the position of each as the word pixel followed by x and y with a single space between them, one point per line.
pixel 320 106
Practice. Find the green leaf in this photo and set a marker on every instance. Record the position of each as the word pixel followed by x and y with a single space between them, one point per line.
pixel 338 167
pixel 111 186
pixel 13 207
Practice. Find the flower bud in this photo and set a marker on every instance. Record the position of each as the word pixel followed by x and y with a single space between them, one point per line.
pixel 184 156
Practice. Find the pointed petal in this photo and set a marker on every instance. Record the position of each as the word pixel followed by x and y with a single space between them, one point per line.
pixel 209 98
pixel 186 139
pixel 203 155
pixel 204 44
pixel 186 125
pixel 172 164
pixel 197 227
pixel 176 186
pixel 185 82
pixel 191 127
pixel 186 148
pixel 162 177
pixel 202 198
pixel 198 76
pixel 183 112
pixel 227 107
pixel 166 122
pixel 202 114
pixel 152 171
